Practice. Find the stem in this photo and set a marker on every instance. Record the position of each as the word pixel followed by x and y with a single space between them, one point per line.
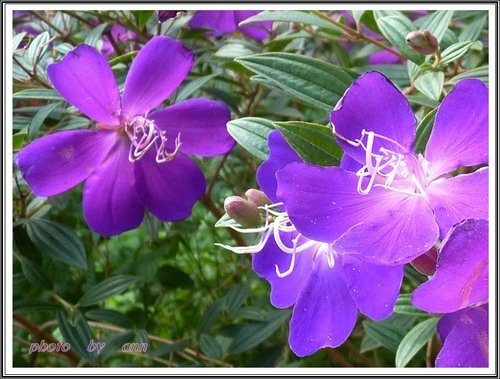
pixel 32 76
pixel 437 61
pixel 216 173
pixel 63 35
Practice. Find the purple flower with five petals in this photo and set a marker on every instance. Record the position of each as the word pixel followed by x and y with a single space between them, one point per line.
pixel 325 287
pixel 399 202
pixel 460 288
pixel 226 22
pixel 136 159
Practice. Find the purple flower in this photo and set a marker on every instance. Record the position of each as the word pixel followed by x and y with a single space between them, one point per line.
pixel 399 202
pixel 135 159
pixel 120 34
pixel 226 22
pixel 165 15
pixel 460 288
pixel 325 287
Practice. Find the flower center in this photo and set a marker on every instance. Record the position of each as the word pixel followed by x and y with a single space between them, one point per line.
pixel 144 135
pixel 399 171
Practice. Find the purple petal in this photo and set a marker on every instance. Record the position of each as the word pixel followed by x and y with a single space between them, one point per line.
pixel 466 343
pixel 373 103
pixel 59 161
pixel 323 202
pixel 461 277
pixel 201 124
pixel 383 57
pixel 280 154
pixel 284 291
pixel 401 232
pixel 325 313
pixel 374 288
pixel 220 22
pixel 169 190
pixel 460 133
pixel 157 71
pixel 83 77
pixel 458 198
pixel 110 202
pixel 350 164
pixel 258 30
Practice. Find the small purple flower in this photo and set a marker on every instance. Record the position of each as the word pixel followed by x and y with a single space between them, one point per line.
pixel 136 159
pixel 460 288
pixel 165 15
pixel 226 22
pixel 399 202
pixel 325 287
pixel 120 34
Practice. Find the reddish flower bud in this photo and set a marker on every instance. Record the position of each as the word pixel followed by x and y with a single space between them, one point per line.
pixel 257 197
pixel 422 41
pixel 242 211
pixel 426 263
pixel 165 15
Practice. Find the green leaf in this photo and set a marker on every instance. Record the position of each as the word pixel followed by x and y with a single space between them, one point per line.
pixel 123 58
pixel 424 129
pixel 481 73
pixel 233 50
pixel 94 36
pixel 167 349
pixel 78 335
pixel 390 331
pixel 395 29
pixel 368 343
pixel 422 100
pixel 398 74
pixel 58 241
pixel 142 17
pixel 17 40
pixel 193 86
pixel 109 316
pixel 301 17
pixel 404 306
pixel 172 277
pixel 454 52
pixel 114 343
pixel 236 296
pixel 18 140
pixel 431 84
pixel 106 289
pixel 309 79
pixel 473 31
pixel 32 305
pixel 37 48
pixel 437 23
pixel 357 14
pixel 226 221
pixel 414 340
pixel 39 118
pixel 251 335
pixel 42 94
pixel 251 133
pixel 34 274
pixel 210 347
pixel 313 142
pixel 209 317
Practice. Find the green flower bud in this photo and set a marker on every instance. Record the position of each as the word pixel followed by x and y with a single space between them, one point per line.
pixel 257 197
pixel 242 211
pixel 422 41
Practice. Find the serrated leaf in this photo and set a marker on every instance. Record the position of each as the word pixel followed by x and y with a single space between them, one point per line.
pixel 39 118
pixel 106 289
pixel 395 29
pixel 109 316
pixel 193 86
pixel 454 52
pixel 42 94
pixel 313 142
pixel 235 298
pixel 251 335
pixel 58 241
pixel 403 306
pixel 414 340
pixel 473 31
pixel 301 17
pixel 210 347
pixel 431 84
pixel 424 129
pixel 251 133
pixel 309 79
pixel 437 23
pixel 94 36
pixel 78 335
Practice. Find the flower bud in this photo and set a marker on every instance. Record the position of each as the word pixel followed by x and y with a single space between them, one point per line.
pixel 426 263
pixel 257 197
pixel 242 211
pixel 165 15
pixel 422 41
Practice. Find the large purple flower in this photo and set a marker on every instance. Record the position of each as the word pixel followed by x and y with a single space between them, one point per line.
pixel 325 287
pixel 135 159
pixel 460 288
pixel 226 22
pixel 398 203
